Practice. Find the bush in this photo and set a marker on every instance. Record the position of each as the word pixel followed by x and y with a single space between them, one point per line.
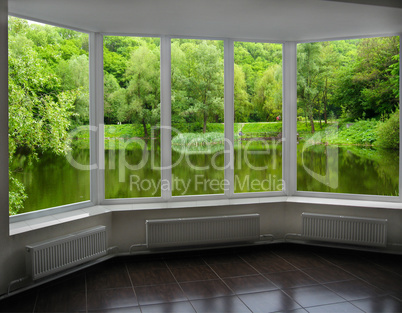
pixel 388 132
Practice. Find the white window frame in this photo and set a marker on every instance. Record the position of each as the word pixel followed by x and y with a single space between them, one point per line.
pixel 289 127
pixel 348 196
pixel 92 137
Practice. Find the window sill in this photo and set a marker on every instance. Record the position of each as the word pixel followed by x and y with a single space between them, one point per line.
pixel 20 227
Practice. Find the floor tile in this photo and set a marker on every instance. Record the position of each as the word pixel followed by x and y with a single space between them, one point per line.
pixel 354 289
pixel 193 273
pixel 159 294
pixel 331 280
pixel 258 256
pixel 270 301
pixel 233 269
pixel 174 307
pixel 111 298
pixel 388 281
pixel 184 262
pixel 23 302
pixel 55 300
pixel 223 305
pixel 391 263
pixel 290 279
pixel 313 296
pixel 111 276
pixel 272 264
pixel 303 260
pixel 341 258
pixel 249 284
pixel 222 258
pixel 148 265
pixel 151 277
pixel 75 281
pixel 385 304
pixel 343 307
pixel 133 309
pixel 327 274
pixel 205 289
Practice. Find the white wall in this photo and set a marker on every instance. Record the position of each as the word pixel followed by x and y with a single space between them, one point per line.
pixel 128 227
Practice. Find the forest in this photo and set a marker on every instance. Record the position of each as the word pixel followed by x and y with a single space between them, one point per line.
pixel 354 83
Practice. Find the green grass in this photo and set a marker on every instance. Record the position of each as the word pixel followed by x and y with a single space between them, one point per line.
pixel 273 128
pixel 116 136
pixel 304 130
pixel 198 142
pixel 363 133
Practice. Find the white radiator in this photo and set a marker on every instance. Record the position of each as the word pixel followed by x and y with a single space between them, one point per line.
pixel 180 232
pixel 345 229
pixel 49 257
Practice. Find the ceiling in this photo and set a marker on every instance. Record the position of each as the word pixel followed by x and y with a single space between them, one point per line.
pixel 386 3
pixel 272 20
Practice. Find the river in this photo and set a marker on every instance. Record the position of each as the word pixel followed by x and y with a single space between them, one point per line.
pixel 52 181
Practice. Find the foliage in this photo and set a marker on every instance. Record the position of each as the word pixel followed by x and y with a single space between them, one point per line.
pixel 143 95
pixel 197 81
pixel 45 94
pixel 242 105
pixel 363 132
pixel 309 82
pixel 357 79
pixel 388 132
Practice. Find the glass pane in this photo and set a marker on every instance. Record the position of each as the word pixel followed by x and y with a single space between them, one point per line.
pixel 132 117
pixel 348 116
pixel 48 116
pixel 197 117
pixel 257 117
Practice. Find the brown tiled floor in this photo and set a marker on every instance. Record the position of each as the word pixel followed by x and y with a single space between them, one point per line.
pixel 269 278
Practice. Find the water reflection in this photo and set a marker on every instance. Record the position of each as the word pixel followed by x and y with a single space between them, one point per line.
pixel 52 181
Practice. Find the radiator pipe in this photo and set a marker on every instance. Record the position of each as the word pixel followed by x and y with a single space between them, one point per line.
pixel 291 234
pixel 137 246
pixel 112 250
pixel 262 237
pixel 19 280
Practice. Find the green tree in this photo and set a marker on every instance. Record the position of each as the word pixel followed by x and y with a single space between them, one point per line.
pixel 143 91
pixel 268 94
pixel 39 114
pixel 242 105
pixel 48 91
pixel 368 88
pixel 199 81
pixel 308 78
pixel 74 75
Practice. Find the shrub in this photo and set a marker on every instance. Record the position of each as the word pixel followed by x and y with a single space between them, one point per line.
pixel 388 132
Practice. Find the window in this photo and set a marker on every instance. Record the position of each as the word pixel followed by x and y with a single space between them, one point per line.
pixel 257 117
pixel 48 116
pixel 348 116
pixel 197 117
pixel 132 117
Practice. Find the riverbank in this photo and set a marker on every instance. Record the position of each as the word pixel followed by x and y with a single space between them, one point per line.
pixel 132 136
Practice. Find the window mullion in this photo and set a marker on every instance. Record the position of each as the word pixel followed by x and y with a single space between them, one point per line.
pixel 165 109
pixel 229 115
pixel 4 119
pixel 400 118
pixel 97 146
pixel 290 116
